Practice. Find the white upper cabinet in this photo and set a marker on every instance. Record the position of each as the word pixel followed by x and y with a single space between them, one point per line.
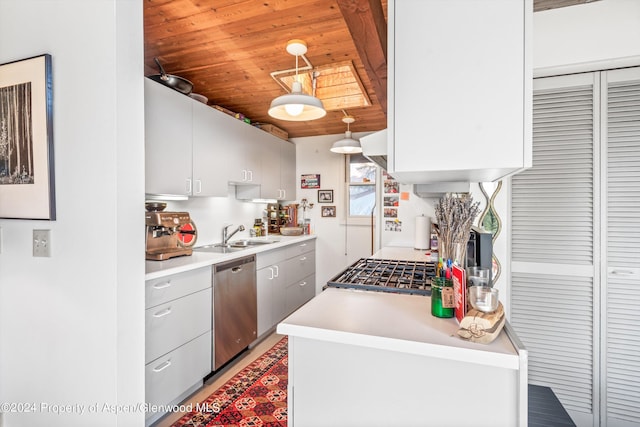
pixel 181 143
pixel 168 140
pixel 193 149
pixel 278 169
pixel 240 150
pixel 287 170
pixel 280 157
pixel 459 89
pixel 210 174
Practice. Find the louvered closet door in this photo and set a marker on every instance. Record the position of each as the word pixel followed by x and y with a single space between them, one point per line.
pixel 553 228
pixel 621 349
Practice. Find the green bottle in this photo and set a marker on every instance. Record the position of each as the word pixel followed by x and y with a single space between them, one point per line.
pixel 442 301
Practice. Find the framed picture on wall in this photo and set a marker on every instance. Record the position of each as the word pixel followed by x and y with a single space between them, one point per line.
pixel 311 180
pixel 325 196
pixel 329 211
pixel 26 140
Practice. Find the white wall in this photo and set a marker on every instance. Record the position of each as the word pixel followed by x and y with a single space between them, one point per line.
pixel 72 326
pixel 340 241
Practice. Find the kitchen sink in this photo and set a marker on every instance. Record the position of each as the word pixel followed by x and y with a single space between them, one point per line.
pixel 234 246
pixel 218 249
pixel 251 242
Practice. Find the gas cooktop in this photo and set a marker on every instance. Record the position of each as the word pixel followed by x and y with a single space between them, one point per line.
pixel 384 275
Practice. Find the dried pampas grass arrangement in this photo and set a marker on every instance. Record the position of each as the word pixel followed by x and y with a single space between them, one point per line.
pixel 455 214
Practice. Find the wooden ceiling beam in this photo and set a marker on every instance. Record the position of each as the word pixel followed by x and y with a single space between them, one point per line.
pixel 368 27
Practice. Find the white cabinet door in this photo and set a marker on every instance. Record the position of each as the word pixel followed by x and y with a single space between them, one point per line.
pixel 170 325
pixel 264 281
pixel 164 289
pixel 270 186
pixel 168 136
pixel 170 376
pixel 278 169
pixel 300 266
pixel 459 89
pixel 287 170
pixel 279 306
pixel 210 170
pixel 239 150
pixel 299 292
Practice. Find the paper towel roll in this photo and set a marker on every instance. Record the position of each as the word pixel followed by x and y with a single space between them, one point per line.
pixel 423 231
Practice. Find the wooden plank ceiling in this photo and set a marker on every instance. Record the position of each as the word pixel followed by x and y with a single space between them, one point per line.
pixel 228 48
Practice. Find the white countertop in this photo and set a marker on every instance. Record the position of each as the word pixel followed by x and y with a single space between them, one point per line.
pixel 404 254
pixel 394 322
pixel 157 269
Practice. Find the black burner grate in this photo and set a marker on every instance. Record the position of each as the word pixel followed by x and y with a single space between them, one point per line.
pixel 385 275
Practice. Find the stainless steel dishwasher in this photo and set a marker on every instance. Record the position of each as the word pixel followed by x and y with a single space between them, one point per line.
pixel 235 312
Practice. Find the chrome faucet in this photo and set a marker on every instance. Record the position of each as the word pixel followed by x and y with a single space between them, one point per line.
pixel 226 236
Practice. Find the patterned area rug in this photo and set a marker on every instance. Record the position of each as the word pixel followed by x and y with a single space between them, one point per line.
pixel 254 397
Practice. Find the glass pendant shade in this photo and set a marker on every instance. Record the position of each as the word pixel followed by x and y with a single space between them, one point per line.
pixel 297 106
pixel 347 145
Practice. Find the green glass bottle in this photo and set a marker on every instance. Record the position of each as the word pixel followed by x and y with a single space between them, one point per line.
pixel 442 297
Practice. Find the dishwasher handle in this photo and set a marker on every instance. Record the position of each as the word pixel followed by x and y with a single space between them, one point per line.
pixel 235 265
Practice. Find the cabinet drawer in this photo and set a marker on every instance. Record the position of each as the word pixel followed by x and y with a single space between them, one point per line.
pixel 274 256
pixel 169 376
pixel 300 266
pixel 301 248
pixel 158 291
pixel 300 292
pixel 172 324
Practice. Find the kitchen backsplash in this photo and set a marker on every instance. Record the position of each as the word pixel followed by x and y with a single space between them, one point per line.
pixel 211 214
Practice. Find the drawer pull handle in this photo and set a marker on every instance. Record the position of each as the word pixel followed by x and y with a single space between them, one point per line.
pixel 272 276
pixel 163 313
pixel 277 270
pixel 302 245
pixel 162 286
pixel 304 258
pixel 303 284
pixel 161 367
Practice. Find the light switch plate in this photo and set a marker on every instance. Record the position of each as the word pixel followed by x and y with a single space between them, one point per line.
pixel 41 243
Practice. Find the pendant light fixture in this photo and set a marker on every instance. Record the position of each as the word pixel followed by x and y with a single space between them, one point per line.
pixel 297 106
pixel 347 145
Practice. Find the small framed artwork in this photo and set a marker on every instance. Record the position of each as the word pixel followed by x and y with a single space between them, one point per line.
pixel 390 213
pixel 310 181
pixel 26 140
pixel 329 211
pixel 325 196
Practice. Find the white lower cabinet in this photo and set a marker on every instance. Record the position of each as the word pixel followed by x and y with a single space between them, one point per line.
pixel 178 337
pixel 169 325
pixel 169 378
pixel 299 292
pixel 285 280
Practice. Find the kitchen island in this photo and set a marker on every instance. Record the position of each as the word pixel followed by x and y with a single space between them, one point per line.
pixel 362 358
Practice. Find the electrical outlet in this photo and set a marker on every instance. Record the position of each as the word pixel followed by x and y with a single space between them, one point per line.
pixel 42 243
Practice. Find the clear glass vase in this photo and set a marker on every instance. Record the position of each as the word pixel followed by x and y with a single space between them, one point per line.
pixel 456 252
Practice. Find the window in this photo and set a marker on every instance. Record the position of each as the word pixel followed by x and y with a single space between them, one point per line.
pixel 362 185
